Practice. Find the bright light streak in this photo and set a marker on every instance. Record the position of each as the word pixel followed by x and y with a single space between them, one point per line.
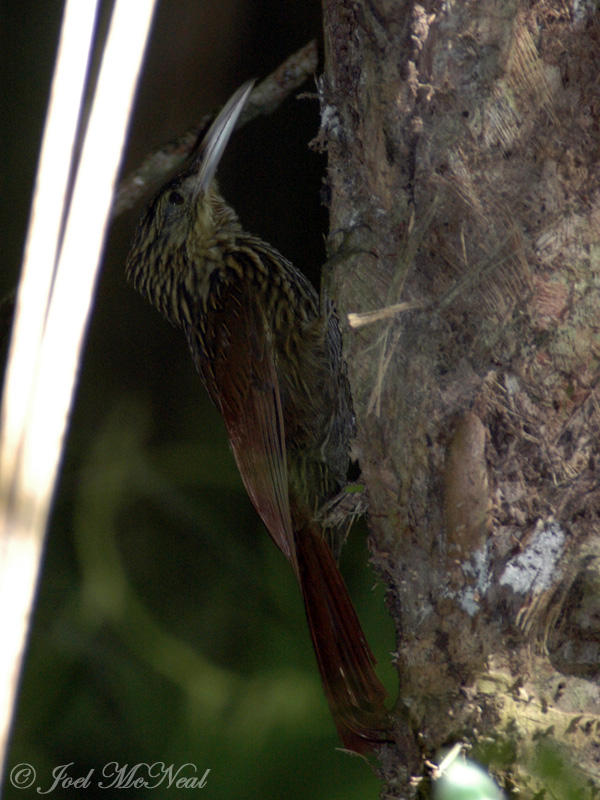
pixel 44 226
pixel 49 334
pixel 84 237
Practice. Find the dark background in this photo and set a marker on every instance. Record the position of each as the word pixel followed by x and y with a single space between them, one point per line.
pixel 168 627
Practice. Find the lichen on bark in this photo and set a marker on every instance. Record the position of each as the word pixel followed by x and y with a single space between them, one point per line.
pixel 462 142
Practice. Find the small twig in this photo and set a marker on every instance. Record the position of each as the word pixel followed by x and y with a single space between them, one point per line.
pixel 438 770
pixel 265 98
pixel 357 320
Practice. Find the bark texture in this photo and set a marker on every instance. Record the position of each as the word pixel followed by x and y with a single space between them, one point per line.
pixel 463 143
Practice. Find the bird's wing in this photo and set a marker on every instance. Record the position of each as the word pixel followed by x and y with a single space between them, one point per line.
pixel 238 368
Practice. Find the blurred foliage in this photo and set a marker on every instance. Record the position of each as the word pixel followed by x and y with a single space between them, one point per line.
pixel 168 627
pixel 461 778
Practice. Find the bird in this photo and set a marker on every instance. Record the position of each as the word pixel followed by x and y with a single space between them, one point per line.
pixel 268 349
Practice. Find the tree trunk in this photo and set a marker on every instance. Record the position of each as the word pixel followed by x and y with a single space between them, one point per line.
pixel 463 142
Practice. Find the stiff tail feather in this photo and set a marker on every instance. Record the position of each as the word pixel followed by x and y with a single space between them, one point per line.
pixel 354 692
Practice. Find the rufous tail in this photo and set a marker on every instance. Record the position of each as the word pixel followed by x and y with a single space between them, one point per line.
pixel 354 692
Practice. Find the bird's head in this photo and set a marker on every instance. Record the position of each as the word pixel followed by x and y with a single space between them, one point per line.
pixel 178 240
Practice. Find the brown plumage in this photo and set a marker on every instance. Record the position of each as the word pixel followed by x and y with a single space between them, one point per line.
pixel 269 353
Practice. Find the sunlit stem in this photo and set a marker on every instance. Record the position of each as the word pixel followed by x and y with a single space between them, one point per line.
pixel 53 304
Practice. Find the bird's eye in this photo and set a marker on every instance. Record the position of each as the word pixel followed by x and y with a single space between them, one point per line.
pixel 176 199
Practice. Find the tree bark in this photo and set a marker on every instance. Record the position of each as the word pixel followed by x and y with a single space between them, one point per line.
pixel 463 143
